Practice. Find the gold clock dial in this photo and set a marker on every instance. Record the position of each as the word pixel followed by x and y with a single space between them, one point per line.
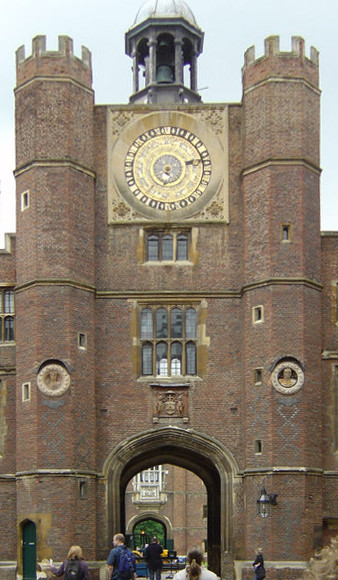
pixel 167 168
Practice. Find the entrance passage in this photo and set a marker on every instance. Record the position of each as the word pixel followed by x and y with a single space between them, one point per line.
pixel 174 446
pixel 29 550
pixel 168 502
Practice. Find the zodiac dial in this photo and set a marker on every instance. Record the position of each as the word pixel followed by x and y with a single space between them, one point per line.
pixel 167 168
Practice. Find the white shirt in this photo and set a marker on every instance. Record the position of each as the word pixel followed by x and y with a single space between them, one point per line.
pixel 205 575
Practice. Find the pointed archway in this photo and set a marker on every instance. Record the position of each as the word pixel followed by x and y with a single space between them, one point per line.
pixel 210 460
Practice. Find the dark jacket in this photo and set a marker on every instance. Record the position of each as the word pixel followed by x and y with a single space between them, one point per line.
pixel 259 561
pixel 153 556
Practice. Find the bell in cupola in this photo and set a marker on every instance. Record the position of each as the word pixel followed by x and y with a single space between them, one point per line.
pixel 165 60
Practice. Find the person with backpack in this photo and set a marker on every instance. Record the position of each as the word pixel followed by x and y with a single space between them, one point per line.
pixel 74 567
pixel 121 561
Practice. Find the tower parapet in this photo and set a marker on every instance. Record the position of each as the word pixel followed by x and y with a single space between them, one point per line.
pixel 274 62
pixel 60 62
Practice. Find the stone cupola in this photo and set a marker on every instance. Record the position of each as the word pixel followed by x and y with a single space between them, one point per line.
pixel 164 43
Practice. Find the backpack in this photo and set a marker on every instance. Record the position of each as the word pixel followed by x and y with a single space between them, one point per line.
pixel 73 570
pixel 126 565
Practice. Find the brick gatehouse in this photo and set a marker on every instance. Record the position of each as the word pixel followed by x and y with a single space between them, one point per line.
pixel 168 299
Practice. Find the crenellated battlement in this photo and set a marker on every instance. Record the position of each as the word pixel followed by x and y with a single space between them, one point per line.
pixel 61 62
pixel 271 48
pixel 279 63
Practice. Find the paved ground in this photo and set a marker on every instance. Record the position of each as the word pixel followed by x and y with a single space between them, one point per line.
pixel 166 574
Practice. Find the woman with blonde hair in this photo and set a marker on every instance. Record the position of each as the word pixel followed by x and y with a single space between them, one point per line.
pixel 258 564
pixel 74 567
pixel 194 569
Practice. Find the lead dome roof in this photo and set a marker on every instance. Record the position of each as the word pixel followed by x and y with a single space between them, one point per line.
pixel 165 9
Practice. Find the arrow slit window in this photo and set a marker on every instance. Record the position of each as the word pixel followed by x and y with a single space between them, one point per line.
pixel 168 339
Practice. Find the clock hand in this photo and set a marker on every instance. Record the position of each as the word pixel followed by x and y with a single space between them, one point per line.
pixel 193 162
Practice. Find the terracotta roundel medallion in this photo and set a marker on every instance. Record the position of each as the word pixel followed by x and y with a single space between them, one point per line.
pixel 53 380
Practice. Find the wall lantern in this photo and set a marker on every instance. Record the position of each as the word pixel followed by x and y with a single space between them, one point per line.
pixel 265 502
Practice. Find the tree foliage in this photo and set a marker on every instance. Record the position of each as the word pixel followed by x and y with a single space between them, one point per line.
pixel 151 528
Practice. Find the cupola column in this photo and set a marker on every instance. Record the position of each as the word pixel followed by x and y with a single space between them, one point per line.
pixel 193 72
pixel 136 71
pixel 152 60
pixel 179 77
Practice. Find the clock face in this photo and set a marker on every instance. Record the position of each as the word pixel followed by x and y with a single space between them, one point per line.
pixel 167 168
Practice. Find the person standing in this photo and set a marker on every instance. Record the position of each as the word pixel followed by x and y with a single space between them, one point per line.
pixel 154 560
pixel 194 569
pixel 114 556
pixel 258 565
pixel 74 567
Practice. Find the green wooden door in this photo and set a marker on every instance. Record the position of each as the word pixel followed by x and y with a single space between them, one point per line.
pixel 29 551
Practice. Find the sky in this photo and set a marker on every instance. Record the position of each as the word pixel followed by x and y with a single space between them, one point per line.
pixel 230 27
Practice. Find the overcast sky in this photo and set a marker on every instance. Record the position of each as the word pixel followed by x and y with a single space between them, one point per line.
pixel 230 26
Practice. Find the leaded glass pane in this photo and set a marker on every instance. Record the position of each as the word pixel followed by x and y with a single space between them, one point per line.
pixel 162 358
pixel 146 323
pixel 190 323
pixel 147 359
pixel 176 358
pixel 152 248
pixel 190 358
pixel 167 248
pixel 161 323
pixel 176 323
pixel 9 301
pixel 9 328
pixel 182 247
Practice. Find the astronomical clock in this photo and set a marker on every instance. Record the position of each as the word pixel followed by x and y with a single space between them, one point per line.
pixel 168 166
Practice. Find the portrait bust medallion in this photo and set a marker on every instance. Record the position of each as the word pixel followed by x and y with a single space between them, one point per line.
pixel 53 380
pixel 287 377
